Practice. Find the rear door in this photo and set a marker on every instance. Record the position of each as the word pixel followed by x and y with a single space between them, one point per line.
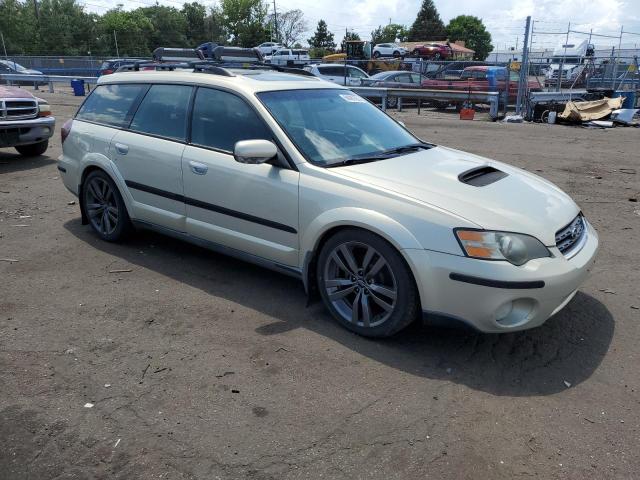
pixel 250 208
pixel 333 73
pixel 149 155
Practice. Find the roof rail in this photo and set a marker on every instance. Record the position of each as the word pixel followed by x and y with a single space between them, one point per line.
pixel 210 66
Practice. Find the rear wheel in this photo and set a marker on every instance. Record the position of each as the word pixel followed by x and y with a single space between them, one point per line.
pixel 392 102
pixel 366 284
pixel 376 54
pixel 104 207
pixel 437 56
pixel 416 53
pixel 34 149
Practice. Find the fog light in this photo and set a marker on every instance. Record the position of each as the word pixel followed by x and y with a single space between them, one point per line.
pixel 515 312
pixel 504 310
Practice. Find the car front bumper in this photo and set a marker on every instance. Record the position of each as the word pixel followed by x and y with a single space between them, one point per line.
pixel 24 132
pixel 496 296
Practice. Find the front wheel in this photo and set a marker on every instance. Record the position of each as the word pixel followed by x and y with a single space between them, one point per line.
pixel 366 284
pixel 104 207
pixel 34 149
pixel 392 102
pixel 396 54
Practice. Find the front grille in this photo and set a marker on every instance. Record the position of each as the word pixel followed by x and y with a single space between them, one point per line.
pixel 18 109
pixel 568 238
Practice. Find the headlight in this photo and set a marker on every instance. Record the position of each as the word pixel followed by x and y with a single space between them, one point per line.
pixel 44 110
pixel 515 248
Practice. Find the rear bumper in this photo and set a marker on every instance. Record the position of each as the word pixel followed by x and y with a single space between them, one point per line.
pixel 24 132
pixel 497 296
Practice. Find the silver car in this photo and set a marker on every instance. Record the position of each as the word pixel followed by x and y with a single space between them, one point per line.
pixel 341 74
pixel 306 177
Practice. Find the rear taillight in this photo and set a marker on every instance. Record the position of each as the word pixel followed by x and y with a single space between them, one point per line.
pixel 66 130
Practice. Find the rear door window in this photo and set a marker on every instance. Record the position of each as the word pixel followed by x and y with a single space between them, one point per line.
pixel 110 104
pixel 163 112
pixel 220 119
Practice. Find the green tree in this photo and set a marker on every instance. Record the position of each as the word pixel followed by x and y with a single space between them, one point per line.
pixel 428 25
pixel 18 26
pixel 322 41
pixel 215 26
pixel 169 27
pixel 195 15
pixel 132 30
pixel 245 21
pixel 291 26
pixel 389 33
pixel 473 32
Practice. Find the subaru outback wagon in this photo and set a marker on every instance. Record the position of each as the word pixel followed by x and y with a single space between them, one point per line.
pixel 307 178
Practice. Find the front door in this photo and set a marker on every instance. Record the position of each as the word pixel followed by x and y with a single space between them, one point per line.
pixel 250 208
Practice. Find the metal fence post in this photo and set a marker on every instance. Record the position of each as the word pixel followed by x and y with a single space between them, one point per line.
pixel 50 86
pixel 523 79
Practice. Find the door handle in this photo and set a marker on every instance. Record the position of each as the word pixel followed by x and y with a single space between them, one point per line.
pixel 121 148
pixel 198 168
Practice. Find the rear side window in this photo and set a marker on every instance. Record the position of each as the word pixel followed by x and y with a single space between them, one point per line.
pixel 221 119
pixel 109 104
pixel 163 112
pixel 331 70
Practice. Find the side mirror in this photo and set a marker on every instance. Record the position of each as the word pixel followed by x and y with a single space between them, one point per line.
pixel 254 151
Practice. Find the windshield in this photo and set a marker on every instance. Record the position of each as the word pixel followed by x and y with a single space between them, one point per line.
pixel 331 126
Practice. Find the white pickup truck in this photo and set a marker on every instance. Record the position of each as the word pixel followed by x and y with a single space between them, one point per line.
pixel 287 57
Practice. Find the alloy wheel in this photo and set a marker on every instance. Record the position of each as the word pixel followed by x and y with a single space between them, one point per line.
pixel 360 284
pixel 101 206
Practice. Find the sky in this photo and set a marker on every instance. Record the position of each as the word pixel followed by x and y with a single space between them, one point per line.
pixel 505 19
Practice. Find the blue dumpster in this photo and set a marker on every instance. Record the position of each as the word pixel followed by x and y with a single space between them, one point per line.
pixel 78 87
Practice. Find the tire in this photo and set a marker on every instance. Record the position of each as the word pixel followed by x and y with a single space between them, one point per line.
pixel 104 207
pixel 416 53
pixel 437 56
pixel 34 149
pixel 357 267
pixel 392 102
pixel 396 53
pixel 376 54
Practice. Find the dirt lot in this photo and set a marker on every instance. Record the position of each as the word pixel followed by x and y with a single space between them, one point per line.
pixel 200 366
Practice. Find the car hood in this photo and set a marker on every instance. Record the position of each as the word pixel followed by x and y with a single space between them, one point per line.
pixel 518 202
pixel 13 92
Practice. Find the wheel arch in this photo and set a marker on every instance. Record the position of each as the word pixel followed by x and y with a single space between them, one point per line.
pixel 92 164
pixel 333 221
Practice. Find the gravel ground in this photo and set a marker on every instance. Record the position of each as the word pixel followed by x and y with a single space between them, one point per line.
pixel 202 367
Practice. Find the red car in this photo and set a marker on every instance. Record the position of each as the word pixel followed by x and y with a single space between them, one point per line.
pixel 476 79
pixel 435 51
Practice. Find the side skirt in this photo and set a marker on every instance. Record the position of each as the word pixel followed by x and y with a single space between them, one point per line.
pixel 223 249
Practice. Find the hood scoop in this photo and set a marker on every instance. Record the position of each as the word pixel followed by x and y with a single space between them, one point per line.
pixel 481 176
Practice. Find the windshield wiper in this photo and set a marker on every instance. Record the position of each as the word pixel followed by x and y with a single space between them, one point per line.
pixel 394 152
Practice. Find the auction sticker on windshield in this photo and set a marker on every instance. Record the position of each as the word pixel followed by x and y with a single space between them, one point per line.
pixel 353 98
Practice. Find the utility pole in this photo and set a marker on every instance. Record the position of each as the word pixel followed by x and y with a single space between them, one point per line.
pixel 4 46
pixel 115 38
pixel 36 10
pixel 524 67
pixel 275 19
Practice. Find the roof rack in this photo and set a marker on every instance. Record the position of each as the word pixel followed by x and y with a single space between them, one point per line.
pixel 214 67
